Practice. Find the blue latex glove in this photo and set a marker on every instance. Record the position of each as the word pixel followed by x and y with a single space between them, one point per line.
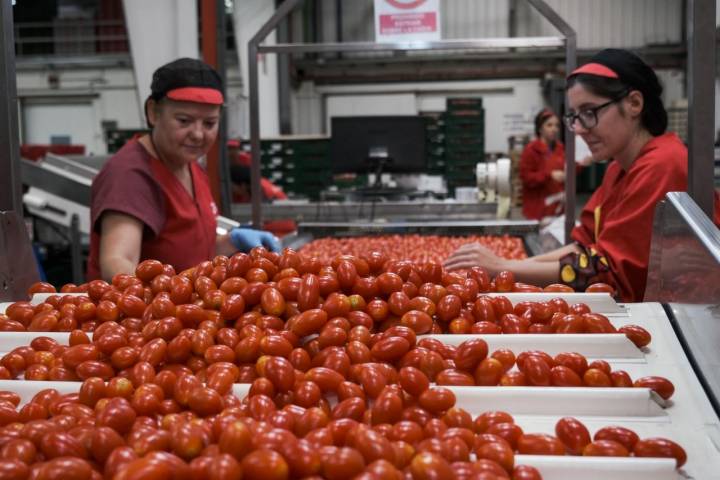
pixel 245 239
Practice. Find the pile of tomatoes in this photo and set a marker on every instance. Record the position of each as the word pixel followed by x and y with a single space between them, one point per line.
pixel 340 383
pixel 415 248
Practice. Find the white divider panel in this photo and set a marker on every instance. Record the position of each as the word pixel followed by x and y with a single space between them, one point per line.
pixel 10 340
pixel 39 298
pixel 27 389
pixel 598 302
pixel 562 401
pixel 601 468
pixel 601 345
pixel 603 402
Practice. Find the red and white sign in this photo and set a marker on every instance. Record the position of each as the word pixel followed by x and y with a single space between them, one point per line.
pixel 407 20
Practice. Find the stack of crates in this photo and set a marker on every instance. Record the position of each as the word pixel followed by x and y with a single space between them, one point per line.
pixel 464 141
pixel 300 166
pixel 435 142
pixel 116 138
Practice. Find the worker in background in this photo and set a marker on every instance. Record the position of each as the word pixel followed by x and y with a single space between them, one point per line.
pixel 242 191
pixel 615 106
pixel 152 200
pixel 542 170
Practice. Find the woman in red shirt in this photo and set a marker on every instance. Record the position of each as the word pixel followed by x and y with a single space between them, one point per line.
pixel 542 169
pixel 615 105
pixel 152 199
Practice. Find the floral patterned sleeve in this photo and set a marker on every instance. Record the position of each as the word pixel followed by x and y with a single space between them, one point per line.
pixel 579 270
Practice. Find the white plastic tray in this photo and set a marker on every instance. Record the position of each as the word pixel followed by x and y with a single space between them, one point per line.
pixel 598 302
pixel 555 401
pixel 38 298
pixel 601 468
pixel 604 346
pixel 563 401
pixel 10 340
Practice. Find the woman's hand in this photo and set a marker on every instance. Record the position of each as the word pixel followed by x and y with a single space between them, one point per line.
pixel 474 255
pixel 244 239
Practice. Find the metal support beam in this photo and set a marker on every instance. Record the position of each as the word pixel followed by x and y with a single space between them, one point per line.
pixel 253 45
pixel 221 67
pixel 10 184
pixel 76 250
pixel 570 65
pixel 476 43
pixel 208 15
pixel 283 62
pixel 701 111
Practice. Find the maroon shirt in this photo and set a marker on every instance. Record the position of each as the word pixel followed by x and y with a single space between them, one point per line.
pixel 179 229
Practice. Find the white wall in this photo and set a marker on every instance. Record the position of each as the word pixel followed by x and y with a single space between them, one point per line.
pixel 248 18
pixel 598 23
pixel 105 95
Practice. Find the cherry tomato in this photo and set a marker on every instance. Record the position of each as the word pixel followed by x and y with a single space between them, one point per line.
pixel 573 434
pixel 660 385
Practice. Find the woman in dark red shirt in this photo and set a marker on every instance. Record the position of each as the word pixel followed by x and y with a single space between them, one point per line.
pixel 615 106
pixel 542 169
pixel 152 199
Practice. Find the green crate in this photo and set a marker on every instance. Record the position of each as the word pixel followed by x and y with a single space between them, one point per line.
pixel 436 139
pixel 465 114
pixel 116 139
pixel 460 169
pixel 465 160
pixel 464 150
pixel 346 181
pixel 307 163
pixel 433 120
pixel 464 142
pixel 455 123
pixel 435 151
pixel 459 103
pixel 308 147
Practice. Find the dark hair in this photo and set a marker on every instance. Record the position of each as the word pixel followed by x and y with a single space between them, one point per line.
pixel 543 116
pixel 197 81
pixel 633 74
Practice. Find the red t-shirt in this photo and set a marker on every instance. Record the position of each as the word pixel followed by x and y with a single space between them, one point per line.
pixel 179 229
pixel 542 196
pixel 617 220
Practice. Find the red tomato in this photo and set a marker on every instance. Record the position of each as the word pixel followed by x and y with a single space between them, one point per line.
pixel 660 447
pixel 660 385
pixel 637 334
pixel 573 434
pixel 605 448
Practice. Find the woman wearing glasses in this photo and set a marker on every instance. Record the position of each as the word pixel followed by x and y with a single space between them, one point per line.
pixel 615 106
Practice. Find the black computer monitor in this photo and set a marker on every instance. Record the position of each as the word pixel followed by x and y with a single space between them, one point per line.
pixel 378 143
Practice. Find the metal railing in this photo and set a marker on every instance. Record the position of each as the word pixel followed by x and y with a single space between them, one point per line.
pixel 79 36
pixel 70 37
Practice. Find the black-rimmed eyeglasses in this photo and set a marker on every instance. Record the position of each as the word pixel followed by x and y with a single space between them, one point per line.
pixel 588 117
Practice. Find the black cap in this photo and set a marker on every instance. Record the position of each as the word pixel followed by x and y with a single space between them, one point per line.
pixel 189 80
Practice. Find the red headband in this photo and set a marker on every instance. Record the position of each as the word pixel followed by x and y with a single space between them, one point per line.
pixel 546 113
pixel 597 69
